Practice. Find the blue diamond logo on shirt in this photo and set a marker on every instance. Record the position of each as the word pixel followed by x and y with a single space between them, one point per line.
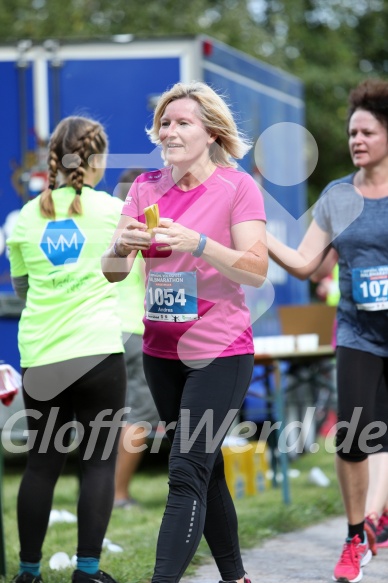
pixel 62 242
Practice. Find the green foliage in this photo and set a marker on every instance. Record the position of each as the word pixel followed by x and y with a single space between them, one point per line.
pixel 320 43
pixel 41 19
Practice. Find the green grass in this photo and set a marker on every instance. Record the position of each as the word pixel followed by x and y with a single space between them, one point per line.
pixel 261 516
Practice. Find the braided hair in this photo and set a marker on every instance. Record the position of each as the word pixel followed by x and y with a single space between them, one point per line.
pixel 71 144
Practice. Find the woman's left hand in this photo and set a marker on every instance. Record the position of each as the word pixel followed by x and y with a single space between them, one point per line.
pixel 176 236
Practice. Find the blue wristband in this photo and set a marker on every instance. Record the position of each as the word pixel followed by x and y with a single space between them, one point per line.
pixel 201 246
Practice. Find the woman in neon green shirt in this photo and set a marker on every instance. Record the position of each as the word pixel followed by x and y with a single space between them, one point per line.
pixel 70 346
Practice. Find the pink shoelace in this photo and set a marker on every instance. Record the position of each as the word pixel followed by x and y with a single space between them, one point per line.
pixel 350 552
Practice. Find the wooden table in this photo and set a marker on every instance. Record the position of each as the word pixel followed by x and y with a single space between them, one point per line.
pixel 273 361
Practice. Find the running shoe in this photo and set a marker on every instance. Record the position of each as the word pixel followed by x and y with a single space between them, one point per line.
pixel 27 578
pixel 98 577
pixel 382 531
pixel 355 555
pixel 371 530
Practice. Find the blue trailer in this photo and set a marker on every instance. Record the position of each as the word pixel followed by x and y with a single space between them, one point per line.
pixel 118 82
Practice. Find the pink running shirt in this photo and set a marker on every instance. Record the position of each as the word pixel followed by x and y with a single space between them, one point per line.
pixel 226 198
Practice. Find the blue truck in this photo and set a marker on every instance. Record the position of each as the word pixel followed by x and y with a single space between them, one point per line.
pixel 118 81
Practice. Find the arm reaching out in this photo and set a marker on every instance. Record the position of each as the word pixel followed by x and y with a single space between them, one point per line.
pixel 303 261
pixel 326 267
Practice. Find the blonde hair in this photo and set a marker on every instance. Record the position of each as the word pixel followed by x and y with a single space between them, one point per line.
pixel 216 117
pixel 72 142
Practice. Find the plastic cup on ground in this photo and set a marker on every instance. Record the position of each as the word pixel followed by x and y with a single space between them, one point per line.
pixel 60 561
pixel 317 477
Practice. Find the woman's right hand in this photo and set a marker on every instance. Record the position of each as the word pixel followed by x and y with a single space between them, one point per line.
pixel 129 237
pixel 133 237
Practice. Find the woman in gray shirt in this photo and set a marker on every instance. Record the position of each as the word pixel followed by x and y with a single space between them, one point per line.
pixel 351 218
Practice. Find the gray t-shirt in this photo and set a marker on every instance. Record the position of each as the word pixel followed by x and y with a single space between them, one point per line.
pixel 358 228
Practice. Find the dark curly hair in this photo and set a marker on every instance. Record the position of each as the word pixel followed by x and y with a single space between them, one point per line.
pixel 370 95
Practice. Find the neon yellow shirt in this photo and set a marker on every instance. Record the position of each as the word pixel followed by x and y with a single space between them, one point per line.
pixel 334 294
pixel 131 293
pixel 131 298
pixel 71 309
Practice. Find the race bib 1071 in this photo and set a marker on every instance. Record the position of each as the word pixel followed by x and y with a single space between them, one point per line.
pixel 370 288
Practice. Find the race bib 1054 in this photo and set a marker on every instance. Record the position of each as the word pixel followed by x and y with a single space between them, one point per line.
pixel 172 297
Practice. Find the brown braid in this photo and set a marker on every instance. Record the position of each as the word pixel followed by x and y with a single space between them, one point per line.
pixel 90 143
pixel 46 202
pixel 74 140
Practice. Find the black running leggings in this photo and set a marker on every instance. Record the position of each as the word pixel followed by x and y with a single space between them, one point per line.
pixel 101 388
pixel 199 501
pixel 359 377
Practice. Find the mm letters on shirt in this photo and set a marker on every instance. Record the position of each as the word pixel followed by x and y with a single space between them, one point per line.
pixel 62 242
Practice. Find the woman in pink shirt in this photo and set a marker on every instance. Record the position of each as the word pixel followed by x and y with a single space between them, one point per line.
pixel 198 348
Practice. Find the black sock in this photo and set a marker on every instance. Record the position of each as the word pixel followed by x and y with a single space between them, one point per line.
pixel 354 529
